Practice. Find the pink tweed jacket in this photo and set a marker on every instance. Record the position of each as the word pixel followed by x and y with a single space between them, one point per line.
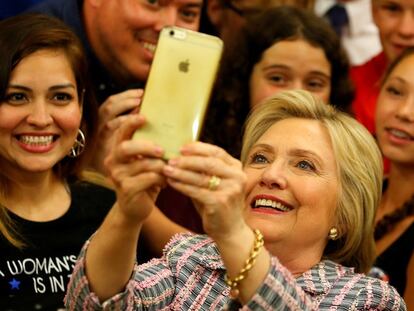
pixel 190 276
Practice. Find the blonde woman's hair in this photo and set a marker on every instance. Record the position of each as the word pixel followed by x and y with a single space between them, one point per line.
pixel 359 167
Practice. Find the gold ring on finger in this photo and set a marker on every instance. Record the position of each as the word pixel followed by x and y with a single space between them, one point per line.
pixel 214 182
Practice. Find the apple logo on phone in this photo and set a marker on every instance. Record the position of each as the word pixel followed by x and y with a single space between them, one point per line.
pixel 184 66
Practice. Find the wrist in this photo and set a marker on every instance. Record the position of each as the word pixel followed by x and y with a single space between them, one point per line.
pixel 124 221
pixel 233 282
pixel 235 248
pixel 239 231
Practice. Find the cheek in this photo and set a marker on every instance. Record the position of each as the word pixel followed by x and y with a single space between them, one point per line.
pixel 70 120
pixel 386 26
pixel 10 119
pixel 195 25
pixel 383 110
pixel 137 21
pixel 260 89
pixel 134 14
pixel 314 193
pixel 253 178
pixel 325 95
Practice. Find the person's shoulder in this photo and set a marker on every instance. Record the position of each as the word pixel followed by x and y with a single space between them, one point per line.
pixel 379 294
pixel 376 63
pixel 362 291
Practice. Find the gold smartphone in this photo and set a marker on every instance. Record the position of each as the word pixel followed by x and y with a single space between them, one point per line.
pixel 178 88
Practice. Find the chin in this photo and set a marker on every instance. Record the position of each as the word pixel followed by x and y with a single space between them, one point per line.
pixel 38 166
pixel 262 224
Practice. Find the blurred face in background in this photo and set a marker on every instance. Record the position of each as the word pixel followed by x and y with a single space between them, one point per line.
pixel 290 64
pixel 395 114
pixel 395 21
pixel 124 33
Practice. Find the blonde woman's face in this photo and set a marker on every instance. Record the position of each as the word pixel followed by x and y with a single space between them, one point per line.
pixel 292 188
pixel 287 65
pixel 395 114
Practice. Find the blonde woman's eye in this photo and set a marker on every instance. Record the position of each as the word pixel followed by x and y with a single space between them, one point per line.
pixel 305 165
pixel 258 158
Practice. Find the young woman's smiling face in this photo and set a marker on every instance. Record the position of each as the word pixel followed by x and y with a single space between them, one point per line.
pixel 290 64
pixel 292 187
pixel 41 113
pixel 395 114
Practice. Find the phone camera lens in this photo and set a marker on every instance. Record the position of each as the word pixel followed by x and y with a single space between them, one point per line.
pixel 171 32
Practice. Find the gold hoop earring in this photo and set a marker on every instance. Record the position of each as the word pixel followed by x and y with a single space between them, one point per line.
pixel 333 233
pixel 79 145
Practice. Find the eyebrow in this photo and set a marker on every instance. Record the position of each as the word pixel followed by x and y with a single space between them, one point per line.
pixel 306 153
pixel 396 78
pixel 266 147
pixel 280 66
pixel 52 88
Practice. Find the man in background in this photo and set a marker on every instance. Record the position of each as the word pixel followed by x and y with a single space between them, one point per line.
pixel 352 20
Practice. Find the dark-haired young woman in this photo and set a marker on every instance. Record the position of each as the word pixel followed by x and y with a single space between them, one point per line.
pixel 394 231
pixel 47 130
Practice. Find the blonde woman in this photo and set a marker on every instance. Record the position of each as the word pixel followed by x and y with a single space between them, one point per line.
pixel 290 227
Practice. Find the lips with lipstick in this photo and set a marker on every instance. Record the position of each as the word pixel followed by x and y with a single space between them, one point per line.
pixel 271 204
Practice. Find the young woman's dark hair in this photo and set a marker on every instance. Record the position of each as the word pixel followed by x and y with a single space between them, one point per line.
pixel 26 34
pixel 407 52
pixel 230 100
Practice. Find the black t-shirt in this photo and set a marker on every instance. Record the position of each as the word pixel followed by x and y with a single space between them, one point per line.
pixel 392 264
pixel 36 277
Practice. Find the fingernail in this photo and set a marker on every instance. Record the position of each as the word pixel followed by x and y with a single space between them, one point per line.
pixel 173 162
pixel 168 169
pixel 183 150
pixel 158 150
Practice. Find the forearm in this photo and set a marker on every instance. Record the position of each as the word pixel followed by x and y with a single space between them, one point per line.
pixel 111 255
